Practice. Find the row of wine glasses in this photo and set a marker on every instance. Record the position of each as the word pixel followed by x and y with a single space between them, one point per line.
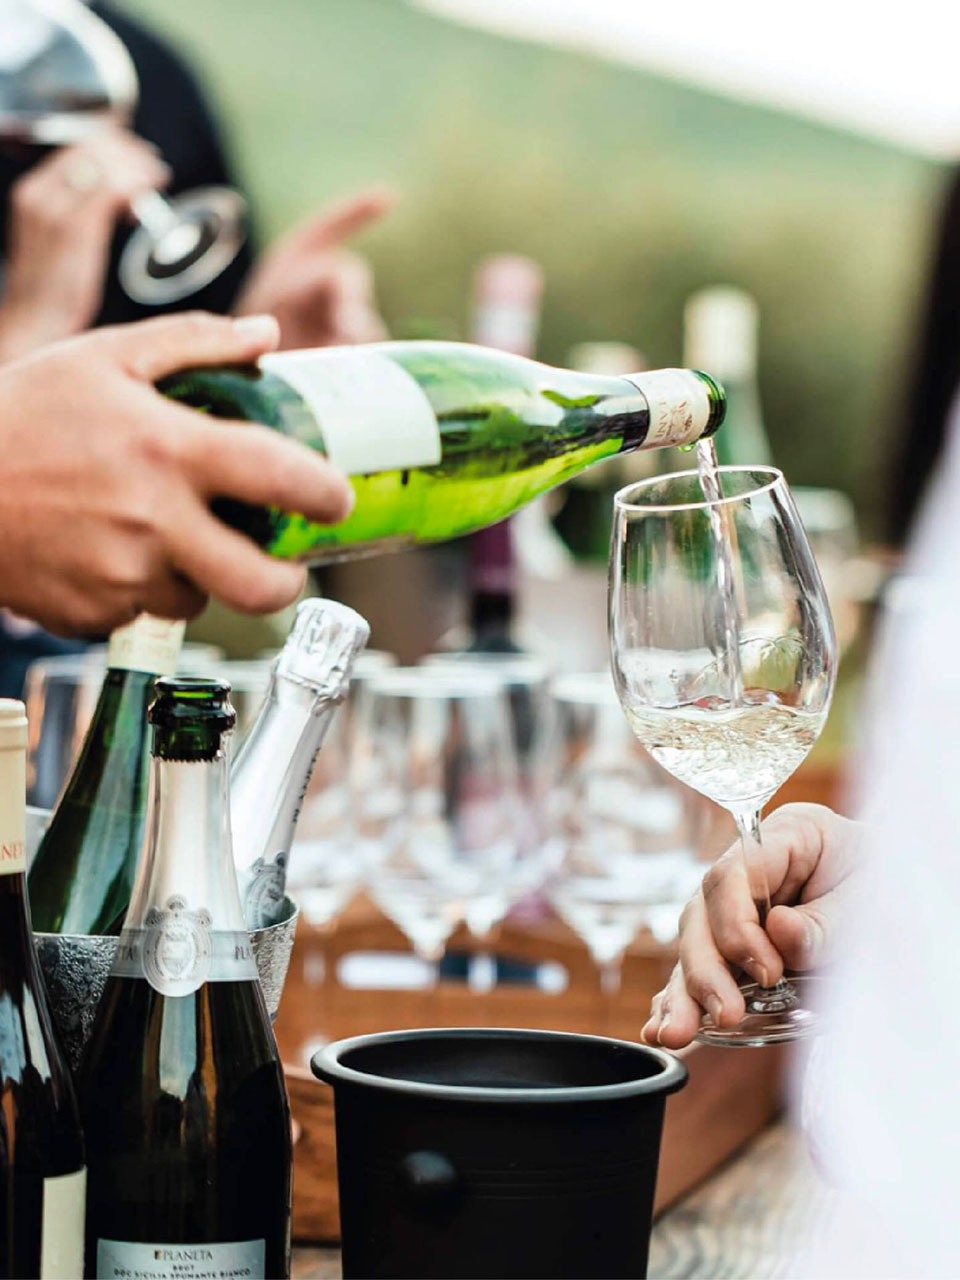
pixel 467 786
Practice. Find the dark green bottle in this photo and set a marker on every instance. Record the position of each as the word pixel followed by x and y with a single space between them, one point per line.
pixel 82 875
pixel 181 1091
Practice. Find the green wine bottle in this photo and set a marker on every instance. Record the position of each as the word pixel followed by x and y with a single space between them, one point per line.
pixel 42 1176
pixel 720 330
pixel 441 438
pixel 181 1090
pixel 83 872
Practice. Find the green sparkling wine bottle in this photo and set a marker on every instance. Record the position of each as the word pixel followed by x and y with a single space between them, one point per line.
pixel 82 874
pixel 441 438
pixel 42 1175
pixel 181 1090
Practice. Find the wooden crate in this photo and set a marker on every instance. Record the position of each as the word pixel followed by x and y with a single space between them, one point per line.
pixel 731 1095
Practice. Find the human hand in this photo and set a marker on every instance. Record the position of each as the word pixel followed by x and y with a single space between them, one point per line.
pixel 61 222
pixel 321 294
pixel 809 852
pixel 107 485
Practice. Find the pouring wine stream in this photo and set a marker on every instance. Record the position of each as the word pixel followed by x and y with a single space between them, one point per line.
pixel 781 996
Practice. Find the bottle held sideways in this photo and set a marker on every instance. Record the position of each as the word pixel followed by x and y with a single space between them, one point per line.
pixel 440 438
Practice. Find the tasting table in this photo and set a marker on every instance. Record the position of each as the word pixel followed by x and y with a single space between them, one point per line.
pixel 747 1219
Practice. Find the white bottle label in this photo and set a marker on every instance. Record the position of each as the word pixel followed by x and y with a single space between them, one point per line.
pixel 235 1260
pixel 177 951
pixel 12 818
pixel 372 414
pixel 61 1235
pixel 679 406
pixel 146 644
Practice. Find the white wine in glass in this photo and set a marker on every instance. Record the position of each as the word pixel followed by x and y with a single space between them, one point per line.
pixel 724 658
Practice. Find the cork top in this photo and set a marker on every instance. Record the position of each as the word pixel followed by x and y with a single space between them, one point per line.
pixel 13 725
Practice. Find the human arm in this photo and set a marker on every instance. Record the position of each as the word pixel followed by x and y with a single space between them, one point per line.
pixel 321 293
pixel 60 222
pixel 105 485
pixel 809 853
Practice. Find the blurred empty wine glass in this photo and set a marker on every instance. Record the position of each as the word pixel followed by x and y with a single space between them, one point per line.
pixel 63 75
pixel 625 829
pixel 526 681
pixel 433 782
pixel 325 870
pixel 724 658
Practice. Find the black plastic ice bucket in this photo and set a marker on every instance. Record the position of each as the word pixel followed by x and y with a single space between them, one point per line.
pixel 493 1153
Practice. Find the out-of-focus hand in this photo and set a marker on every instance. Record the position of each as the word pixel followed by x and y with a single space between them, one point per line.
pixel 321 293
pixel 107 485
pixel 809 853
pixel 61 222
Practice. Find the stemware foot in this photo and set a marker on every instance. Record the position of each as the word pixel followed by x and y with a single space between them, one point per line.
pixel 775 1015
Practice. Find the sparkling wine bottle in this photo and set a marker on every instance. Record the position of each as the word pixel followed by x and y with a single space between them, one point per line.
pixel 440 438
pixel 42 1176
pixel 81 877
pixel 720 329
pixel 272 770
pixel 181 1090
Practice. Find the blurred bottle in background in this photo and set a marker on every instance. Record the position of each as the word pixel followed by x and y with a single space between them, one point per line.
pixel 507 296
pixel 720 328
pixel 586 504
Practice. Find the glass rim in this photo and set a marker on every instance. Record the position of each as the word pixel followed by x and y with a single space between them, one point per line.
pixel 433 682
pixel 622 502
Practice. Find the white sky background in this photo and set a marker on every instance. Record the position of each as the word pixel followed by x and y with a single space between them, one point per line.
pixel 879 67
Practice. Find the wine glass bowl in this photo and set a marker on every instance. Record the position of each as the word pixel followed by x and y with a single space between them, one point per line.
pixel 433 781
pixel 724 658
pixel 64 75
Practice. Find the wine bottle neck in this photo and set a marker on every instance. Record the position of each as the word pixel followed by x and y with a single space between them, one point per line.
pixel 273 768
pixel 187 854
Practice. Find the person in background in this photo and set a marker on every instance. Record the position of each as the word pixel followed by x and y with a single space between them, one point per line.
pixel 935 378
pixel 64 221
pixel 107 484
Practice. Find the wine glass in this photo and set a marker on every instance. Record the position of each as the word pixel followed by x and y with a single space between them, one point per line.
pixel 64 74
pixel 325 872
pixel 433 781
pixel 724 659
pixel 625 828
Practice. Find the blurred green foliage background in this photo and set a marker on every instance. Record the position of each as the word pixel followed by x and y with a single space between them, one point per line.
pixel 632 190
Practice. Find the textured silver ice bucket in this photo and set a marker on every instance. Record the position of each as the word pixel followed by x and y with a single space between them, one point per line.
pixel 75 966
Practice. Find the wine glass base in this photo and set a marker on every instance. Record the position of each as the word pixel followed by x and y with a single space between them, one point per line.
pixel 769 1021
pixel 192 254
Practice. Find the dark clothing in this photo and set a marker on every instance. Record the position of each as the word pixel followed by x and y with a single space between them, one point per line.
pixel 936 375
pixel 173 114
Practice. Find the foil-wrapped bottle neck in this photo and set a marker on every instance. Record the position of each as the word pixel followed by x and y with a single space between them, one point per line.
pixel 322 647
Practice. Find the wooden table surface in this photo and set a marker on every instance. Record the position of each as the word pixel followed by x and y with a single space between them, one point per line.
pixel 748 1219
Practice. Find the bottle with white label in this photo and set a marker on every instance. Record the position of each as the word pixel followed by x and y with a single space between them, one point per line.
pixel 181 1091
pixel 42 1176
pixel 271 773
pixel 82 874
pixel 440 438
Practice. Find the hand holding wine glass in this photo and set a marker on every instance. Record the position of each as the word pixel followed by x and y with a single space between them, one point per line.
pixel 724 658
pixel 811 856
pixel 62 216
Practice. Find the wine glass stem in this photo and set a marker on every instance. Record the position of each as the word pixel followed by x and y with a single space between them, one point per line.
pixel 781 995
